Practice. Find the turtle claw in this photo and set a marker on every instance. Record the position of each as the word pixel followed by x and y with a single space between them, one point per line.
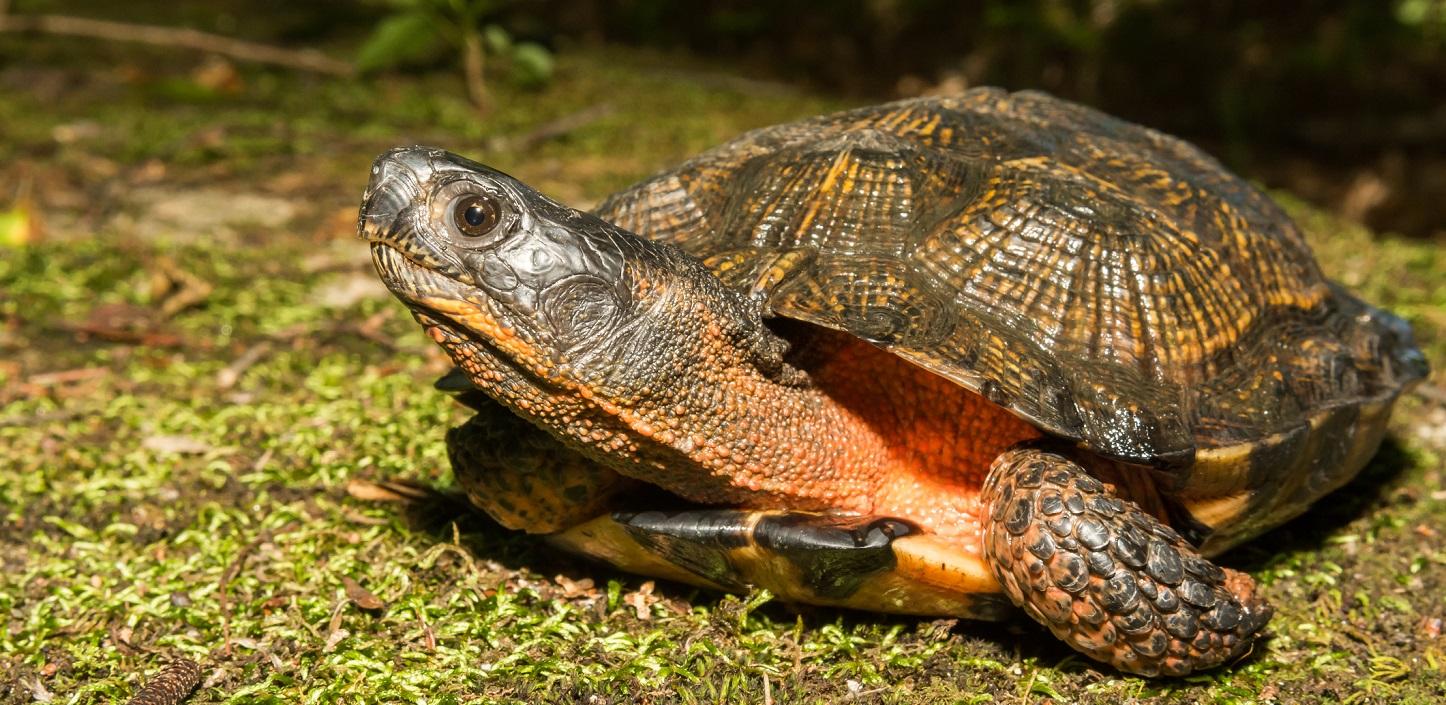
pixel 1107 578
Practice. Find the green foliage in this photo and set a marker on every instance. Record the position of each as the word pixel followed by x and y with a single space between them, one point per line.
pixel 399 40
pixel 531 64
pixel 423 31
pixel 16 227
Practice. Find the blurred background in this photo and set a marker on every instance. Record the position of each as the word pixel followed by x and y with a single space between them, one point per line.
pixel 1342 103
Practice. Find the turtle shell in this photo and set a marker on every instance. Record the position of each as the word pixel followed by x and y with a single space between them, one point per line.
pixel 1109 283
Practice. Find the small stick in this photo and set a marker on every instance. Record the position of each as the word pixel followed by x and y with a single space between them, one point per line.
pixel 553 129
pixel 171 686
pixel 71 376
pixel 231 374
pixel 186 38
pixel 472 67
pixel 45 418
pixel 564 125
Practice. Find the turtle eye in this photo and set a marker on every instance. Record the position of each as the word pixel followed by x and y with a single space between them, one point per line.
pixel 476 215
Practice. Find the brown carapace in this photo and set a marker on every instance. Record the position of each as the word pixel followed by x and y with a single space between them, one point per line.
pixel 937 357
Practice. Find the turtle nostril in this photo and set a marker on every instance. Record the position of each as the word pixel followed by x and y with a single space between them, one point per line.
pixel 386 203
pixel 379 212
pixel 394 187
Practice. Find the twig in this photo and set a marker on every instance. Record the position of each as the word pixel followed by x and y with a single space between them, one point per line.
pixel 180 288
pixel 553 129
pixel 45 418
pixel 564 125
pixel 231 374
pixel 397 491
pixel 112 334
pixel 361 330
pixel 472 67
pixel 186 38
pixel 171 686
pixel 71 376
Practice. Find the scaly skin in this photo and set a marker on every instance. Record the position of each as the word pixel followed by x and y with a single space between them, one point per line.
pixel 1107 578
pixel 522 477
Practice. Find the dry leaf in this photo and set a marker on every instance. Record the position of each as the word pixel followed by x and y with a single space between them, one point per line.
pixel 1429 627
pixel 180 445
pixel 575 588
pixel 177 289
pixel 78 131
pixel 340 224
pixel 123 323
pixel 386 491
pixel 641 599
pixel 149 172
pixel 360 596
pixel 38 692
pixel 219 75
pixel 333 639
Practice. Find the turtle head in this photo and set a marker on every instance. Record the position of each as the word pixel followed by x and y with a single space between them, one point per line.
pixel 532 297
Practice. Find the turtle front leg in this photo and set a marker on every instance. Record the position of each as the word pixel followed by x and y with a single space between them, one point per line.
pixel 524 478
pixel 1107 578
pixel 874 563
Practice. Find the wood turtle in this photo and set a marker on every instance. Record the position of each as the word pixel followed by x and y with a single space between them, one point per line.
pixel 936 357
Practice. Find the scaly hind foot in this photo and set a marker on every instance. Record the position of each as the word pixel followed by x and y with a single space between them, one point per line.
pixel 1107 578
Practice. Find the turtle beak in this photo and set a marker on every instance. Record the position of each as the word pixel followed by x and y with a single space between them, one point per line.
pixel 395 187
pixel 393 215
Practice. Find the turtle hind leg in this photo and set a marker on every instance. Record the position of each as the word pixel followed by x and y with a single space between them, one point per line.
pixel 1107 578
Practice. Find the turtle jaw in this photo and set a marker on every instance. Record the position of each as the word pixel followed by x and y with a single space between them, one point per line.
pixel 471 328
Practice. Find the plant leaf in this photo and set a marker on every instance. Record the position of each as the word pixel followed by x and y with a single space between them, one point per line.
pixel 531 64
pixel 17 227
pixel 497 40
pixel 404 38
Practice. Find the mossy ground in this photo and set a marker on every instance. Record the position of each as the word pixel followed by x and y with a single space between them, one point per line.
pixel 196 361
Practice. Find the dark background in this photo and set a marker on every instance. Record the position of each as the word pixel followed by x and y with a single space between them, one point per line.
pixel 1343 103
